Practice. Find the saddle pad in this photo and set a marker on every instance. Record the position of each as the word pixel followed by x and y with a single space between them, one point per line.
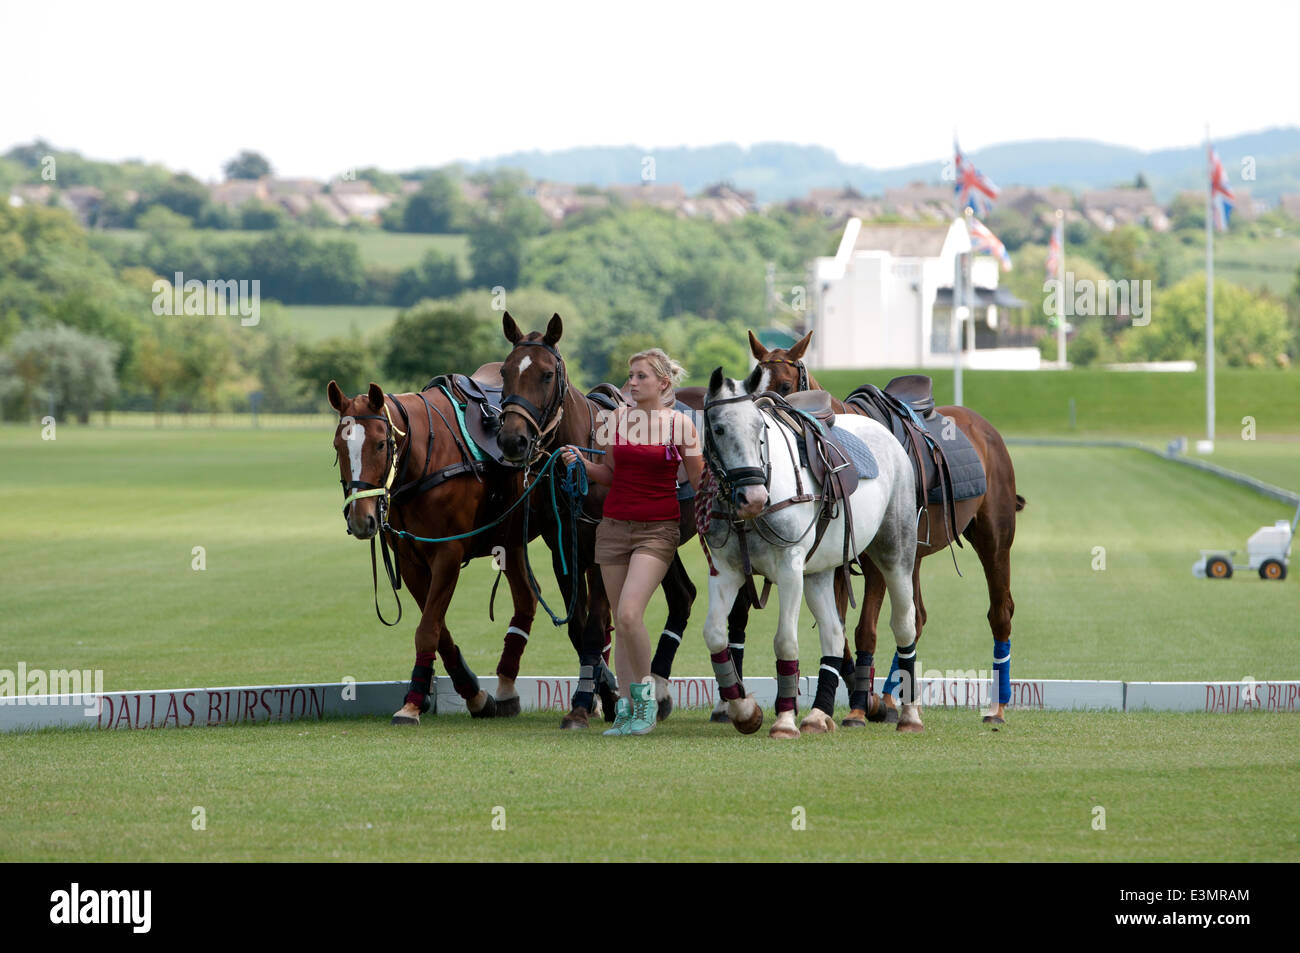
pixel 968 478
pixel 858 452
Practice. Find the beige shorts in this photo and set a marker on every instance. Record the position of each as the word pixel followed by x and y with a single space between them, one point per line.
pixel 617 540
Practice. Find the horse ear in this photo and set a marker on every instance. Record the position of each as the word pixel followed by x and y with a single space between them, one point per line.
pixel 554 328
pixel 756 347
pixel 753 380
pixel 513 334
pixel 796 352
pixel 376 396
pixel 715 381
pixel 335 395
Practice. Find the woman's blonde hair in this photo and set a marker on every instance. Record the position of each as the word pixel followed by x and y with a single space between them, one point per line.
pixel 664 368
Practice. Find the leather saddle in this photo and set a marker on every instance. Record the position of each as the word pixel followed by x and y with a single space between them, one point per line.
pixel 479 398
pixel 821 450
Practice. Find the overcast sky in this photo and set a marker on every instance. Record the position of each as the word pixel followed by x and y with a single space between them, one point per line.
pixel 323 87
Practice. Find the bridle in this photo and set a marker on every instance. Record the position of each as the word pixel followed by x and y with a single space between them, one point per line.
pixel 798 365
pixel 731 481
pixel 360 489
pixel 543 422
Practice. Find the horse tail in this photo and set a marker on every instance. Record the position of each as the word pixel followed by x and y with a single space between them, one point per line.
pixel 1020 502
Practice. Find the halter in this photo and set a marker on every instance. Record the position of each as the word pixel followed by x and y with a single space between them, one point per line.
pixel 542 421
pixel 731 481
pixel 803 371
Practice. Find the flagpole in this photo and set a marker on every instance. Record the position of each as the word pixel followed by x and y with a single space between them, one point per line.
pixel 1060 291
pixel 1209 293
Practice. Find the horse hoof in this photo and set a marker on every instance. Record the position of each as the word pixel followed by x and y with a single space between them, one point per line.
pixel 857 718
pixel 909 720
pixel 575 720
pixel 489 709
pixel 408 714
pixel 665 708
pixel 751 724
pixel 508 707
pixel 784 726
pixel 719 715
pixel 606 700
pixel 994 720
pixel 817 722
pixel 891 715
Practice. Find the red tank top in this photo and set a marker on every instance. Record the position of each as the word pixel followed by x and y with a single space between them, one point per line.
pixel 645 483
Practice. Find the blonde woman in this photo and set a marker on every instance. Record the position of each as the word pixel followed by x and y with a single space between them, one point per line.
pixel 639 534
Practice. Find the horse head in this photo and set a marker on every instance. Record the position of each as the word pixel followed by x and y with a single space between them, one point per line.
pixel 534 386
pixel 783 368
pixel 366 443
pixel 734 438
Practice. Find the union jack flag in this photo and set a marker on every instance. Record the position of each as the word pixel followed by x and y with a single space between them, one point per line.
pixel 1054 250
pixel 1220 194
pixel 983 240
pixel 972 189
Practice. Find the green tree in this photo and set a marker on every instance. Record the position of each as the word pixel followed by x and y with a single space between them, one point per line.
pixel 247 165
pixel 435 208
pixel 59 364
pixel 432 339
pixel 346 360
pixel 435 276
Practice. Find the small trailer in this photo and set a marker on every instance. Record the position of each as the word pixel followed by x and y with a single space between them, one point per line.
pixel 1268 552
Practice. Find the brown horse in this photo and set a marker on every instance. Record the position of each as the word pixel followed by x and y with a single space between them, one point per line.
pixel 988 522
pixel 541 412
pixel 400 456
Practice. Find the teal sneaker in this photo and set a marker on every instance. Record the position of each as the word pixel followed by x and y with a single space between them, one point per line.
pixel 622 718
pixel 644 709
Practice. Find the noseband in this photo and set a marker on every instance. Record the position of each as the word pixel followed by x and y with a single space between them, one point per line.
pixel 541 421
pixel 733 480
pixel 798 365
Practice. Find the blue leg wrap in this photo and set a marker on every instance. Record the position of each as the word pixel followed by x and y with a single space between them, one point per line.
pixel 1002 666
pixel 893 680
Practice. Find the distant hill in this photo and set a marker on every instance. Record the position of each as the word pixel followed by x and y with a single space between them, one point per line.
pixel 777 171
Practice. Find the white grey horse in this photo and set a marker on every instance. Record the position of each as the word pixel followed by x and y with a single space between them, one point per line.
pixel 754 459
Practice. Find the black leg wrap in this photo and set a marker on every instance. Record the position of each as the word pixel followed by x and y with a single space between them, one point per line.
pixel 828 680
pixel 907 671
pixel 463 678
pixel 421 680
pixel 864 677
pixel 585 696
pixel 666 650
pixel 738 656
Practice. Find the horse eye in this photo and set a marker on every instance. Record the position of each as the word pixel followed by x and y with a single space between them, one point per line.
pixel 718 431
pixel 548 377
pixel 785 388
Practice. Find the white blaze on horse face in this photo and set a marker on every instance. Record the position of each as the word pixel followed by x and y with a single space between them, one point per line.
pixel 525 363
pixel 354 435
pixel 765 381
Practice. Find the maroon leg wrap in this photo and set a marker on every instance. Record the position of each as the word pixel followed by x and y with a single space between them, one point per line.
pixel 787 678
pixel 421 686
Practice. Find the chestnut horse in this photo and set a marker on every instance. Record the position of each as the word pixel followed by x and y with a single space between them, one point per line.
pixel 542 411
pixel 988 522
pixel 400 457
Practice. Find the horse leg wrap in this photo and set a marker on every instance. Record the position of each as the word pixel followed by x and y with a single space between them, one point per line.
pixel 787 684
pixel 738 656
pixel 892 679
pixel 908 689
pixel 669 641
pixel 724 670
pixel 1002 666
pixel 589 666
pixel 462 678
pixel 515 643
pixel 864 681
pixel 417 693
pixel 828 680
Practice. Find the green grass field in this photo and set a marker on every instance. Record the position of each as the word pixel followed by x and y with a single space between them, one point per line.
pixel 315 322
pixel 1252 263
pixel 97 531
